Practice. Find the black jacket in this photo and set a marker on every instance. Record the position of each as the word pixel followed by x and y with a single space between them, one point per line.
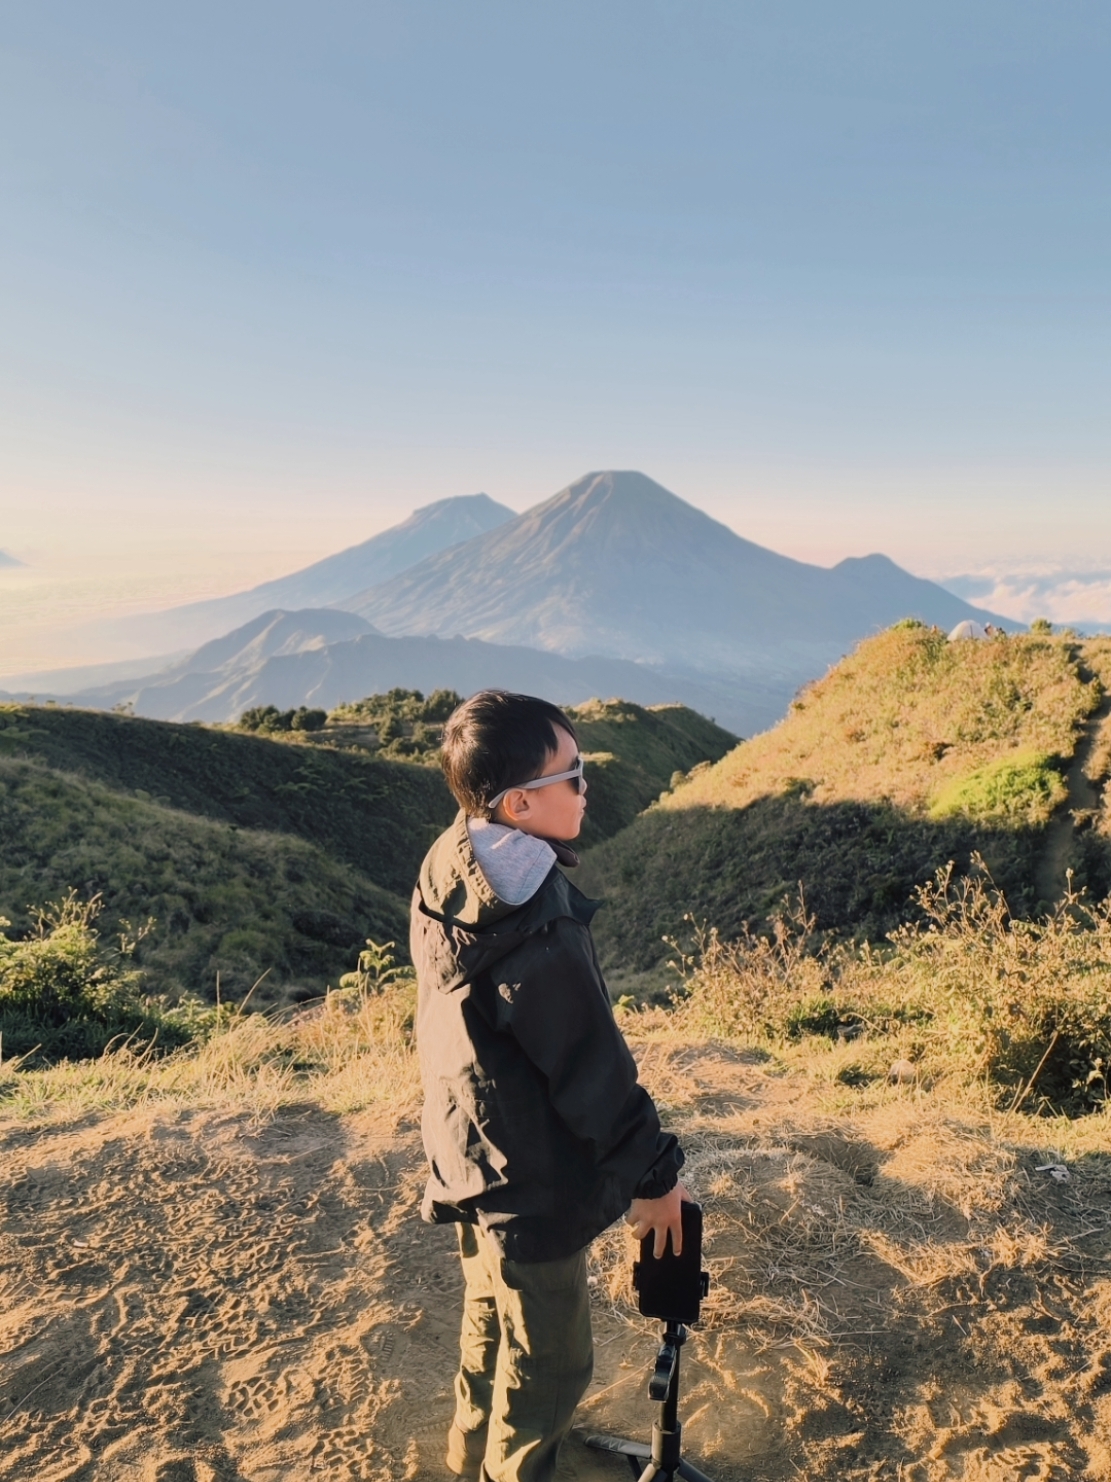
pixel 534 1124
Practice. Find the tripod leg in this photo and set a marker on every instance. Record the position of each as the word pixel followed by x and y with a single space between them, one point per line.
pixel 692 1474
pixel 636 1451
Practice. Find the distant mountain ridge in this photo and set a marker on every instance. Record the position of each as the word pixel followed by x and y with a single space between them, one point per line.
pixel 325 657
pixel 617 565
pixel 614 586
pixel 325 583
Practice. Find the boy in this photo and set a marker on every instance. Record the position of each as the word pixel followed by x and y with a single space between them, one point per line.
pixel 537 1134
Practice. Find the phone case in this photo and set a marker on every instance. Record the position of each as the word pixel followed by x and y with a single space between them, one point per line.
pixel 672 1287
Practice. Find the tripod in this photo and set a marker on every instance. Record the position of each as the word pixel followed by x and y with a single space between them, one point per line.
pixel 664 1456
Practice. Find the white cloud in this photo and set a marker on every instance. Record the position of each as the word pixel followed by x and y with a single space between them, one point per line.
pixel 1071 598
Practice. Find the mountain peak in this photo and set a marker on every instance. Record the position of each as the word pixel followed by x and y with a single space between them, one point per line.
pixel 620 489
pixel 617 564
pixel 485 511
pixel 327 583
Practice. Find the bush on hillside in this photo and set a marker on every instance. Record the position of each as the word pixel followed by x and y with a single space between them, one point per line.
pixel 968 990
pixel 64 994
pixel 1022 789
pixel 268 720
pixel 404 725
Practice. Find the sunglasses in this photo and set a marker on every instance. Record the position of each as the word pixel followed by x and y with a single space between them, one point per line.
pixel 576 774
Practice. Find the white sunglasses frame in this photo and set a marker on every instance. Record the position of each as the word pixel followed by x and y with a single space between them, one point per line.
pixel 576 772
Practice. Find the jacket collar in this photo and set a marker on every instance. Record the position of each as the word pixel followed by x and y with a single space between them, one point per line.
pixel 453 886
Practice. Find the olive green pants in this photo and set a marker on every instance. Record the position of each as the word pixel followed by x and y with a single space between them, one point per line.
pixel 526 1356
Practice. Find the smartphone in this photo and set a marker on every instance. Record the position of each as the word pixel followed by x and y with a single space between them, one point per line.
pixel 672 1287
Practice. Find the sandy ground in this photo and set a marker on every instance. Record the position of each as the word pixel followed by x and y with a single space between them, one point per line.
pixel 190 1295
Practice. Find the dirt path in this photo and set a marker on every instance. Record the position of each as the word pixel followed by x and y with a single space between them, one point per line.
pixel 189 1297
pixel 1078 811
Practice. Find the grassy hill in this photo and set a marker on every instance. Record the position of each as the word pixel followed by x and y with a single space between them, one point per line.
pixel 911 752
pixel 262 853
pixel 633 753
pixel 226 900
pixel 377 816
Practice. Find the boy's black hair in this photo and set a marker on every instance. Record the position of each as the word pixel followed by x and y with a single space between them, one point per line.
pixel 497 740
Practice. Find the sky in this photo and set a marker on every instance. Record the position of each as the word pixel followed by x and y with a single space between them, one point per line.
pixel 272 275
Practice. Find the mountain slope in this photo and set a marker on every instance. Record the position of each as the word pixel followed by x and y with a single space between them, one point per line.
pixel 912 752
pixel 617 565
pixel 633 754
pixel 256 855
pixel 377 817
pixel 432 528
pixel 288 659
pixel 228 904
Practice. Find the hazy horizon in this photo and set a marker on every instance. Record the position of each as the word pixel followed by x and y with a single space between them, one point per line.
pixel 48 614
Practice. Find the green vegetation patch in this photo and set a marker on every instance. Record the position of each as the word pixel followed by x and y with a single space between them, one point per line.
pixel 271 721
pixel 227 902
pixel 66 995
pixel 400 724
pixel 1017 790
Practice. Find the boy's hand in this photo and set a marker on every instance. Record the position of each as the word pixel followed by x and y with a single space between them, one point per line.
pixel 659 1216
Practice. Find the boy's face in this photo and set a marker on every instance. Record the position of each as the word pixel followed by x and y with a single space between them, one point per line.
pixel 554 812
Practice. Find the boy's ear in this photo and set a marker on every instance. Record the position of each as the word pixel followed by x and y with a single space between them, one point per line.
pixel 516 804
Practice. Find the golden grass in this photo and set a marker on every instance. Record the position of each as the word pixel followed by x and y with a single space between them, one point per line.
pixel 805 1180
pixel 350 1052
pixel 865 1239
pixel 967 995
pixel 903 716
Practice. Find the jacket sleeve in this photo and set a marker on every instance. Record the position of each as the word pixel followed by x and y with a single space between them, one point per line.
pixel 561 1017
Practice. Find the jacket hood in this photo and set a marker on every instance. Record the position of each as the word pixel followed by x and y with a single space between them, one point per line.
pixel 465 925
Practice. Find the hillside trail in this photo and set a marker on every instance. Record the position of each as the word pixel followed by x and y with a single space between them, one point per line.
pixel 1080 808
pixel 196 1295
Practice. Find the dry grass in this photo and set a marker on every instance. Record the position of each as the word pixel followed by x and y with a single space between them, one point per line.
pixel 875 1250
pixel 873 1246
pixel 350 1052
pixel 904 715
pixel 908 1281
pixel 968 995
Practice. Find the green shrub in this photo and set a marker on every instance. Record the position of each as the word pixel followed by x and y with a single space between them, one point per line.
pixel 269 720
pixel 403 724
pixel 65 995
pixel 1016 790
